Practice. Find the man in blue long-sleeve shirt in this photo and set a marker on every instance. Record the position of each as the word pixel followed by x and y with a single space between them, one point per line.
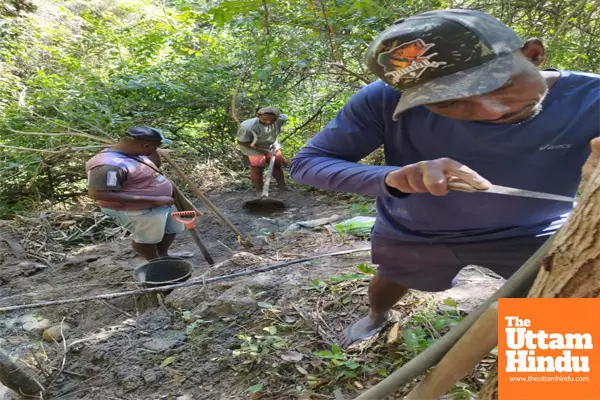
pixel 459 96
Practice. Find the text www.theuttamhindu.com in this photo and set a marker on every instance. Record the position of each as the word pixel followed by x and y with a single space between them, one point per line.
pixel 566 378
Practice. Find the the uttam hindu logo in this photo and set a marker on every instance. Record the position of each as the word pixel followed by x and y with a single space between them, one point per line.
pixel 523 342
pixel 549 349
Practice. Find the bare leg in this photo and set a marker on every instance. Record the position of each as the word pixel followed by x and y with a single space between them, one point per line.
pixel 163 246
pixel 256 175
pixel 279 178
pixel 148 251
pixel 383 294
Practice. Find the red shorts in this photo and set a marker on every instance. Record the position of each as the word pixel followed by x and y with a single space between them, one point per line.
pixel 261 159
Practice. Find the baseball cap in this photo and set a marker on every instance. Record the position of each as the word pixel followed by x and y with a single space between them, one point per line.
pixel 147 133
pixel 443 55
pixel 269 110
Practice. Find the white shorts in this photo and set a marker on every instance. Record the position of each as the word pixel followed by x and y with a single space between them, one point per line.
pixel 147 226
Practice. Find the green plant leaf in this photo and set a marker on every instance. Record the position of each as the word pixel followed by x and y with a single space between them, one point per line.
pixel 441 323
pixel 365 269
pixel 262 75
pixel 167 361
pixel 264 304
pixel 255 388
pixel 450 302
pixel 448 309
pixel 271 329
pixel 335 349
pixel 312 380
pixel 346 277
pixel 323 353
pixel 410 339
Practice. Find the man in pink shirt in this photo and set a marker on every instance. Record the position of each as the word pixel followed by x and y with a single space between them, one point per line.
pixel 126 183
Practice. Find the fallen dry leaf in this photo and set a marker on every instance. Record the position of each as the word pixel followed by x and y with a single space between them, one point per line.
pixel 292 356
pixel 393 333
pixel 301 370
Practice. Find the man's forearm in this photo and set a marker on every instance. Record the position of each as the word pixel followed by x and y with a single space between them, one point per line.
pixel 155 158
pixel 330 173
pixel 248 145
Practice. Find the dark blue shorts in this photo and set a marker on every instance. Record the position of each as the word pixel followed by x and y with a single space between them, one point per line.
pixel 434 267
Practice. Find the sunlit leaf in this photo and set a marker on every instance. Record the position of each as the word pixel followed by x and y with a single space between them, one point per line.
pixel 255 388
pixel 167 361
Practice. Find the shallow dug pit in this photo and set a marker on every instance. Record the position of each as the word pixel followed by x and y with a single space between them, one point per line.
pixel 163 271
pixel 160 272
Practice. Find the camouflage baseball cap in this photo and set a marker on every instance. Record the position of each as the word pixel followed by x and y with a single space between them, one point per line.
pixel 443 55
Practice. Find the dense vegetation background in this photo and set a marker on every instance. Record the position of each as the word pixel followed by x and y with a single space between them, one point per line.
pixel 194 68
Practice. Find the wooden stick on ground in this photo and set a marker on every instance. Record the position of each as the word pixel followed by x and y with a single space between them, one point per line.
pixel 178 285
pixel 572 267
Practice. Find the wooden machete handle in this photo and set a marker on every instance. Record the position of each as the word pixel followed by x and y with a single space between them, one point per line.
pixel 461 186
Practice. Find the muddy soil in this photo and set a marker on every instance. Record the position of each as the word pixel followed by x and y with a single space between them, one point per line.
pixel 197 342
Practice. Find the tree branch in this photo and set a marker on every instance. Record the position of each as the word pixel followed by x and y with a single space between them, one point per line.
pixel 5 146
pixel 232 110
pixel 335 53
pixel 266 14
pixel 312 118
pixel 354 74
pixel 563 25
pixel 94 127
pixel 75 134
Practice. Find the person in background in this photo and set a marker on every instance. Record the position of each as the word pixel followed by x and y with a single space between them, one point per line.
pixel 460 96
pixel 126 183
pixel 257 139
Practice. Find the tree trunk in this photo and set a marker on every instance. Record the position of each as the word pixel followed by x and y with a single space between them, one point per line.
pixel 14 377
pixel 266 16
pixel 572 266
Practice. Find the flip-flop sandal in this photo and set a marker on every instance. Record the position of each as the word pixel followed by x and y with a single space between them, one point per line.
pixel 366 335
pixel 182 254
pixel 371 335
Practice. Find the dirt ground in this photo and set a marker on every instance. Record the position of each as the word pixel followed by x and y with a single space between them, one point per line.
pixel 270 335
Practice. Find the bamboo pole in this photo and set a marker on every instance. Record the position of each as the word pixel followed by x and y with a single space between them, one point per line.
pixel 517 286
pixel 472 347
pixel 205 199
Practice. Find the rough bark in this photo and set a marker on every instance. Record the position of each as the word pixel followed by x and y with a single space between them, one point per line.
pixel 572 265
pixel 15 378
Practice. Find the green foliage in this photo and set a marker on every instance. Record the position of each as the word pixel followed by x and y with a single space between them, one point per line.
pixel 422 328
pixel 192 322
pixel 427 325
pixel 255 388
pixel 364 273
pixel 358 226
pixel 195 67
pixel 255 348
pixel 342 365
